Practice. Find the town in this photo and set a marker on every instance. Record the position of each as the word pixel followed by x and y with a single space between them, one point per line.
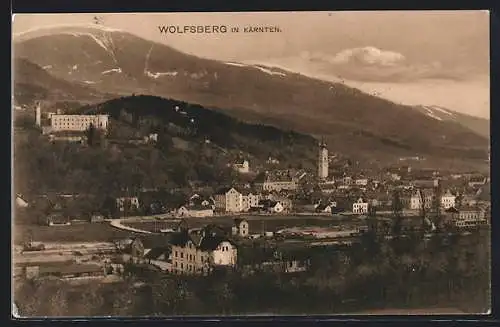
pixel 272 219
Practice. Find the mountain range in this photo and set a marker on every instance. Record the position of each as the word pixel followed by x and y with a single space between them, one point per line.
pixel 98 63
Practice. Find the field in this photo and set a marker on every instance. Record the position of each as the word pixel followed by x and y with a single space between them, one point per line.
pixel 85 232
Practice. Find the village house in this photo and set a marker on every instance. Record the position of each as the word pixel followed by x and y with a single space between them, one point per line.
pixel 285 202
pixel 271 206
pixel 360 207
pixel 240 228
pixel 58 219
pixel 467 218
pixel 195 211
pixel 128 202
pixel 327 207
pixel 228 200
pixel 448 200
pixel 361 182
pixel 200 200
pixel 277 181
pixel 249 199
pixel 149 249
pixel 416 199
pixel 477 181
pixel 242 167
pixel 200 253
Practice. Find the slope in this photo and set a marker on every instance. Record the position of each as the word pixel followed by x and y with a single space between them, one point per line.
pixel 32 82
pixel 353 122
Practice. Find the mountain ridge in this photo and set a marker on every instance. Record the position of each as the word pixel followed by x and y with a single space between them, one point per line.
pixel 346 116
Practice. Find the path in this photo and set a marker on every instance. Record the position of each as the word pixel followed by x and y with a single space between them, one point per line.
pixel 118 224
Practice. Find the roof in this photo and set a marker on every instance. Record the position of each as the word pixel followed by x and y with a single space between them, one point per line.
pixel 268 203
pixel 207 242
pixel 223 190
pixel 238 221
pixel 70 268
pixel 68 133
pixel 154 241
pixel 157 252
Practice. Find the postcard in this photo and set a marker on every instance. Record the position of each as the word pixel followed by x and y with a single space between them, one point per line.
pixel 251 164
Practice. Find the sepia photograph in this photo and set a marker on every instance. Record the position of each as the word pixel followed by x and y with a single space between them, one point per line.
pixel 251 164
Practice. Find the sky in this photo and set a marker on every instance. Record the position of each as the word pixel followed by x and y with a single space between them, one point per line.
pixel 413 57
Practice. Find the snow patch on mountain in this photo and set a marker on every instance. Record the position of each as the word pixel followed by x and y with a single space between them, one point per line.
pixel 269 71
pixel 262 68
pixel 66 26
pixel 442 110
pixel 235 64
pixel 114 70
pixel 47 67
pixel 155 75
pixel 158 75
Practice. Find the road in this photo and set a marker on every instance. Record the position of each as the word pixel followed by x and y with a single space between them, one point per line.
pixel 117 223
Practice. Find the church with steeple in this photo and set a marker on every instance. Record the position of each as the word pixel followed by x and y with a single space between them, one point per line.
pixel 322 160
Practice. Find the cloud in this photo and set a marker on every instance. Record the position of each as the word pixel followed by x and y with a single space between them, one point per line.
pixel 378 65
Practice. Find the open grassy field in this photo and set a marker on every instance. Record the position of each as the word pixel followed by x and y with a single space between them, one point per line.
pixel 257 223
pixel 84 232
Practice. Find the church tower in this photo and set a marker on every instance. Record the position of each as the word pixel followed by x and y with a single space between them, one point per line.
pixel 322 160
pixel 38 114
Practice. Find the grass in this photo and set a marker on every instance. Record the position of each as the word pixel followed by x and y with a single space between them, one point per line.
pixel 85 232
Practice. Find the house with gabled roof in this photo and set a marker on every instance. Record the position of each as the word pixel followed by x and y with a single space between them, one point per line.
pixel 201 252
pixel 228 199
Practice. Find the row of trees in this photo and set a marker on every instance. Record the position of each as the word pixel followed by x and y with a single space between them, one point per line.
pixel 401 273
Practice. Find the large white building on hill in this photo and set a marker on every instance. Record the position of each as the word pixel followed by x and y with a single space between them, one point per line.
pixel 81 123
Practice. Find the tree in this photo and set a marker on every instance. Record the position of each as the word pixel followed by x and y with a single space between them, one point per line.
pixel 397 209
pixel 91 134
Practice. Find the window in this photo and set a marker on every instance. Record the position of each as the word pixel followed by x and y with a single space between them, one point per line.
pixel 176 254
pixel 182 255
pixel 182 265
pixel 175 264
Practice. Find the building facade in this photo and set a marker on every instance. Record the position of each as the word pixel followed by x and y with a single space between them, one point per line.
pixel 228 200
pixel 242 167
pixel 418 197
pixel 195 254
pixel 448 200
pixel 469 218
pixel 80 123
pixel 250 200
pixel 360 207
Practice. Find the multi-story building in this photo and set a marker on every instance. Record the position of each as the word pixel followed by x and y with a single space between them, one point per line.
pixel 130 203
pixel 80 123
pixel 416 199
pixel 277 181
pixel 360 207
pixel 240 228
pixel 242 167
pixel 228 200
pixel 469 218
pixel 200 253
pixel 322 161
pixel 249 200
pixel 448 200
